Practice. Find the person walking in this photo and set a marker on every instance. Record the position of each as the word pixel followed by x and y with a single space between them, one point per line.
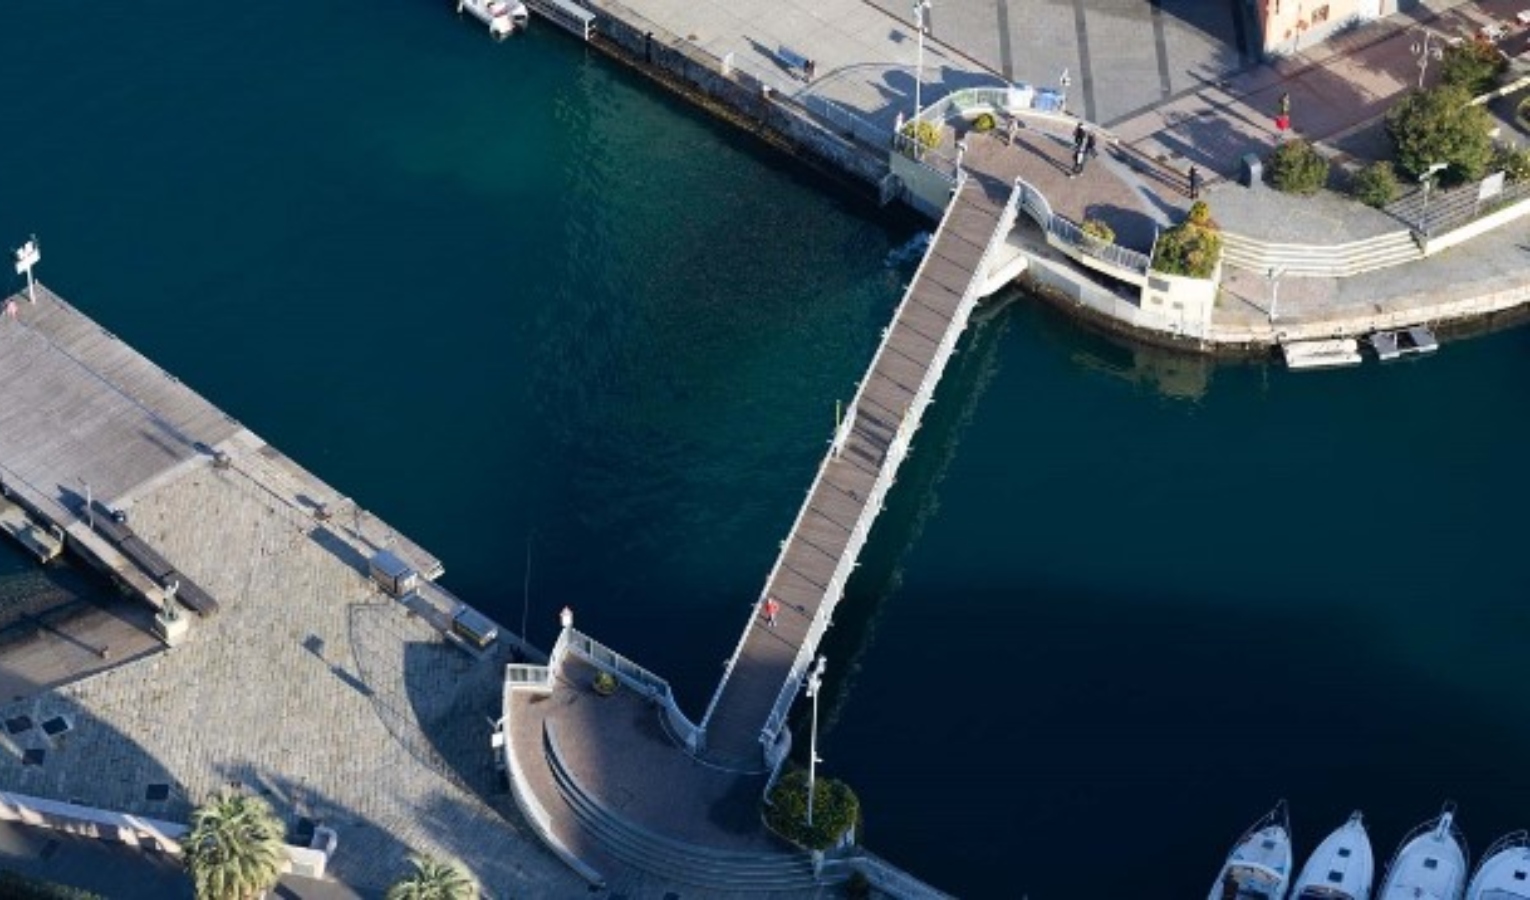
pixel 1079 133
pixel 1081 154
pixel 1014 123
pixel 772 606
pixel 1195 183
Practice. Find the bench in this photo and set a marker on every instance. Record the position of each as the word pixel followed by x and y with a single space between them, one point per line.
pixel 795 62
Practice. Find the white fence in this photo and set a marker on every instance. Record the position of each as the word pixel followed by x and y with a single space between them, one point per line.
pixel 635 677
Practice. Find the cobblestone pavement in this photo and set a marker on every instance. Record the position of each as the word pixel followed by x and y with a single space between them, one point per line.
pixel 309 687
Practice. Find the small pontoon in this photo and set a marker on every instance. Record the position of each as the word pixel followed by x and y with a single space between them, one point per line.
pixel 504 17
pixel 1321 354
pixel 1405 342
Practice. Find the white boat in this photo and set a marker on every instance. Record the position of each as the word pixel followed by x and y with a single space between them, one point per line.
pixel 1504 873
pixel 1341 868
pixel 1259 866
pixel 1321 354
pixel 1393 344
pixel 1431 865
pixel 502 16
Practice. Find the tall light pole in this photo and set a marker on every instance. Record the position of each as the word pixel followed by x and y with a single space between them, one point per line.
pixel 1274 275
pixel 1425 49
pixel 1064 81
pixel 814 681
pixel 921 10
pixel 1427 180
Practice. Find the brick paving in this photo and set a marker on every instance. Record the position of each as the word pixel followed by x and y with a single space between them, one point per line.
pixel 309 687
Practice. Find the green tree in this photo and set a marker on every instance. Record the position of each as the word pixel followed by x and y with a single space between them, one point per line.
pixel 1376 184
pixel 234 851
pixel 1297 168
pixel 1441 126
pixel 1473 66
pixel 835 810
pixel 433 879
pixel 1193 247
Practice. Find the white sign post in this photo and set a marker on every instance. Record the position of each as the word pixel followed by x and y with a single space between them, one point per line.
pixel 26 258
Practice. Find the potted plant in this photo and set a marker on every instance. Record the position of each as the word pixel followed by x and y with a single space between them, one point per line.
pixel 1097 234
pixel 605 684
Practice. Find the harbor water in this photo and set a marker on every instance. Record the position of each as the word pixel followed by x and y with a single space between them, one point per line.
pixel 532 310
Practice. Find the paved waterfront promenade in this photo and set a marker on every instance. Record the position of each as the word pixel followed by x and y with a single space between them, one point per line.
pixel 308 686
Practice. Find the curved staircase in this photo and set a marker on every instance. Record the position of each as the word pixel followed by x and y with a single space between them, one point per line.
pixel 705 867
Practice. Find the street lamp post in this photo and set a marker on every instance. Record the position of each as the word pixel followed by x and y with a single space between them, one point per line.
pixel 1427 180
pixel 1425 48
pixel 921 10
pixel 1064 81
pixel 1274 275
pixel 814 681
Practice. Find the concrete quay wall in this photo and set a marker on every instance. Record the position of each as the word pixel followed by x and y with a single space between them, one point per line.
pixel 734 95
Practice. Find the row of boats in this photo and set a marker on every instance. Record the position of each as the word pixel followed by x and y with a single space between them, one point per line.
pixel 1431 864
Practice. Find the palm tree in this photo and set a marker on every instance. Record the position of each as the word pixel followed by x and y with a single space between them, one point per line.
pixel 433 879
pixel 234 850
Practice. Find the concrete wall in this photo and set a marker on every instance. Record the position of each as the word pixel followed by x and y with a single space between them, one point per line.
pixel 1483 225
pixel 735 96
pixel 1289 26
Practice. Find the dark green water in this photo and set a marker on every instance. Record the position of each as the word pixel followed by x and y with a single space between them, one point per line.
pixel 511 295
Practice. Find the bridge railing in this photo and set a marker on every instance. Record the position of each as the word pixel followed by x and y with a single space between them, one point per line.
pixel 635 677
pixel 1035 205
pixel 520 677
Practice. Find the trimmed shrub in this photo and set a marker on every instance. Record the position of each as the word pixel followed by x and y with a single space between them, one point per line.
pixel 1473 66
pixel 984 123
pixel 1524 112
pixel 925 134
pixel 1514 162
pixel 604 683
pixel 1376 184
pixel 1193 247
pixel 1297 168
pixel 836 810
pixel 1098 231
pixel 1441 126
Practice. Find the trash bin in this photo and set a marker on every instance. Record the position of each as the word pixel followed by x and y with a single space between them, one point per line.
pixel 1253 170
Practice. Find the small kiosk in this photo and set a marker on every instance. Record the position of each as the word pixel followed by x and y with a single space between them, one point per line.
pixel 392 574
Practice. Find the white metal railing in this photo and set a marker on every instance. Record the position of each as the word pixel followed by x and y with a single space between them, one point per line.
pixel 519 677
pixel 896 451
pixel 819 623
pixel 1035 205
pixel 570 16
pixel 635 677
pixel 884 876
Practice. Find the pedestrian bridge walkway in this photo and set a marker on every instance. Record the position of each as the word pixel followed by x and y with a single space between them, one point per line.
pixel 743 726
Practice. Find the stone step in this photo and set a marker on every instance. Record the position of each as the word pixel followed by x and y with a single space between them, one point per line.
pixel 677 860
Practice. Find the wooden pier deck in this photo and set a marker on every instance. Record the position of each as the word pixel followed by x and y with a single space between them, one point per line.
pixel 749 706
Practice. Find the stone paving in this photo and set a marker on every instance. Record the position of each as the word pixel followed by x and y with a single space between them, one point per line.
pixel 308 687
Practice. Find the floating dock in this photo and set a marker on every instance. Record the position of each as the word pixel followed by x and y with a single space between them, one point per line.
pixel 1322 354
pixel 1413 341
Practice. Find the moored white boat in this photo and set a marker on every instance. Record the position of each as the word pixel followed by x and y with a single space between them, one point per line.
pixel 1341 868
pixel 1430 865
pixel 1504 873
pixel 1259 866
pixel 502 16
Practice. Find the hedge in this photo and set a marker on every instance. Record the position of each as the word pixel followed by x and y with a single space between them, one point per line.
pixel 835 810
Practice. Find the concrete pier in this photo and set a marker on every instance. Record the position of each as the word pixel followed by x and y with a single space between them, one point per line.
pixel 340 704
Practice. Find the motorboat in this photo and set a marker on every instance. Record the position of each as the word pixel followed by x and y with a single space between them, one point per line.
pixel 1259 866
pixel 1504 873
pixel 1430 865
pixel 1406 342
pixel 1321 354
pixel 504 17
pixel 1341 868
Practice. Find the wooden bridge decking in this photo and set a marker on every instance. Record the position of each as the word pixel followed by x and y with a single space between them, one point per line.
pixel 821 537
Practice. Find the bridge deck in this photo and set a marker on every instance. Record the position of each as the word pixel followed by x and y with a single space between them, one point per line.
pixel 822 536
